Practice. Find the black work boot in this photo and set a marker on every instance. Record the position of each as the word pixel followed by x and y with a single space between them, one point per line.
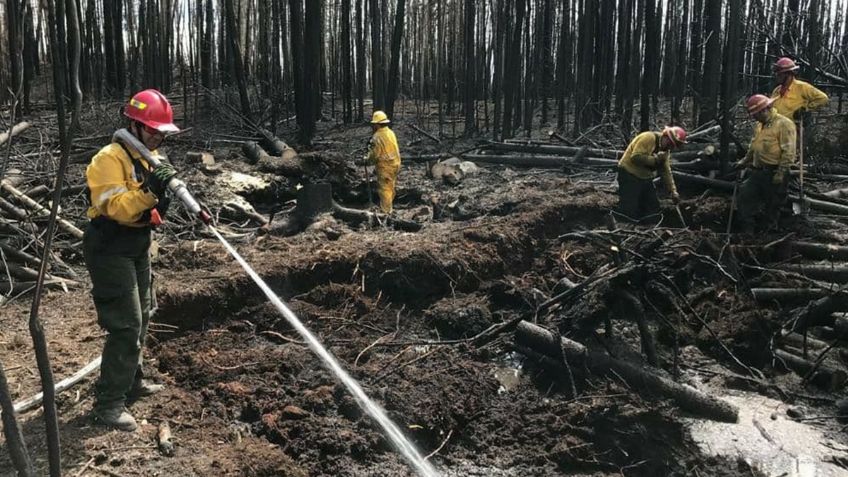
pixel 143 388
pixel 115 416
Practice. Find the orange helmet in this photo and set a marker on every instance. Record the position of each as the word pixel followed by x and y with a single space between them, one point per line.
pixel 676 134
pixel 151 108
pixel 784 65
pixel 757 103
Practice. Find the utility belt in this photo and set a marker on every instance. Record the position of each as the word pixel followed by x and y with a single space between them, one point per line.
pixel 763 166
pixel 110 227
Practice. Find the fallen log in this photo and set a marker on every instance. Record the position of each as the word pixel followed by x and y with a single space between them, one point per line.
pixel 818 312
pixel 358 216
pixel 820 251
pixel 13 211
pixel 701 180
pixel 17 255
pixel 702 152
pixel 41 210
pixel 824 376
pixel 16 129
pixel 822 205
pixel 538 340
pixel 549 162
pixel 290 166
pixel 14 227
pixel 837 273
pixel 838 193
pixel 552 150
pixel 788 295
pixel 37 191
pixel 797 340
pixel 30 274
pixel 62 386
pixel 16 288
pixel 275 146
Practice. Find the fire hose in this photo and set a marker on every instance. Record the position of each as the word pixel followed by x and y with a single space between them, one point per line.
pixel 177 187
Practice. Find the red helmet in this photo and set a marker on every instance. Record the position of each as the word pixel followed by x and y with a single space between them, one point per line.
pixel 757 103
pixel 676 134
pixel 784 65
pixel 151 108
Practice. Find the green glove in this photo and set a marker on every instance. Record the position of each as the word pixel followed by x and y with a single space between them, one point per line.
pixel 157 180
pixel 777 179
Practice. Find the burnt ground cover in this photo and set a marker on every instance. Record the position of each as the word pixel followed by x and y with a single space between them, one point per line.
pixel 424 321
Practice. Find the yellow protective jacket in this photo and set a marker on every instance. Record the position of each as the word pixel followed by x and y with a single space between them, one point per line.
pixel 384 148
pixel 773 143
pixel 799 94
pixel 114 182
pixel 640 159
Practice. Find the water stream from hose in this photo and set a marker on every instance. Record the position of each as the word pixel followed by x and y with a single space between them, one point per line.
pixel 406 448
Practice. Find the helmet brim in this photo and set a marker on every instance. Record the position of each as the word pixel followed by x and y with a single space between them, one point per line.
pixel 385 121
pixel 762 107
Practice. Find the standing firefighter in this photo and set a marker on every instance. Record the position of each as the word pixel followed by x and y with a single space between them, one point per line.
pixel 384 154
pixel 771 154
pixel 128 198
pixel 647 154
pixel 793 97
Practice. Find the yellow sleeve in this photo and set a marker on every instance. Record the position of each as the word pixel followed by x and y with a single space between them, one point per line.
pixel 786 138
pixel 814 97
pixel 668 178
pixel 111 193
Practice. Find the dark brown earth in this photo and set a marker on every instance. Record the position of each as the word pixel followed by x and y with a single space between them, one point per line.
pixel 245 396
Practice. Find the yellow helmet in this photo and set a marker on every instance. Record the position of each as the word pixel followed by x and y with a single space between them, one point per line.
pixel 380 118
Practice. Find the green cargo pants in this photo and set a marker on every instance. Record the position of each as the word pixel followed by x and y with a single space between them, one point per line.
pixel 758 192
pixel 637 198
pixel 118 261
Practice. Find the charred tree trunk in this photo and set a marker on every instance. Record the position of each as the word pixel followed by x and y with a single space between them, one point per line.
pixel 512 72
pixel 236 61
pixel 563 63
pixel 14 22
pixel 470 62
pixel 313 34
pixel 394 68
pixel 378 68
pixel 651 64
pixel 547 57
pixel 729 76
pixel 347 73
pixel 360 62
pixel 712 62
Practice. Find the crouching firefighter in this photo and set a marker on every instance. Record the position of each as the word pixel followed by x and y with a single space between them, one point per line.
pixel 649 153
pixel 771 154
pixel 128 199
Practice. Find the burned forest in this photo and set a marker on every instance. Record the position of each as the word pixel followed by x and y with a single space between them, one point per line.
pixel 423 237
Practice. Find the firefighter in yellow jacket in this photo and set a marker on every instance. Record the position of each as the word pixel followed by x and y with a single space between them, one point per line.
pixel 771 154
pixel 384 154
pixel 128 198
pixel 792 97
pixel 647 154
